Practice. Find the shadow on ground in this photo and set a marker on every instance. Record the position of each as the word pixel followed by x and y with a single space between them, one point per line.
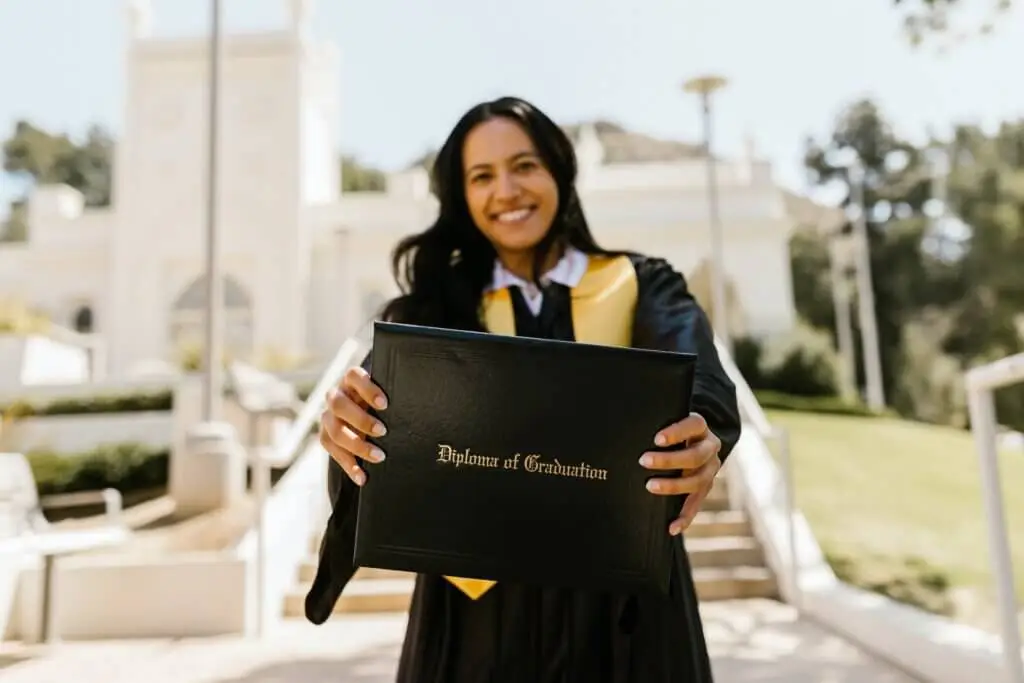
pixel 762 648
pixel 376 665
pixel 7 660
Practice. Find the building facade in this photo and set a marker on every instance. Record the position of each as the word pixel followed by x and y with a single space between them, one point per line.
pixel 306 264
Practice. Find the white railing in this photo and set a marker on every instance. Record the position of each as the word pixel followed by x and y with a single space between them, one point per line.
pixel 754 416
pixel 981 382
pixel 287 516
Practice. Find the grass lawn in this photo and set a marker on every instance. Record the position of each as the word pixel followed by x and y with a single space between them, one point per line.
pixel 880 491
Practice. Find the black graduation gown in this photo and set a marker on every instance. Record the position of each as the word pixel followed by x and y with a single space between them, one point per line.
pixel 526 634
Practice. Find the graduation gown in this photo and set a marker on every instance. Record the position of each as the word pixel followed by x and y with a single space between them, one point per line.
pixel 528 634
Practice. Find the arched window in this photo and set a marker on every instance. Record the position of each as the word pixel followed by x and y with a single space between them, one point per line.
pixel 188 317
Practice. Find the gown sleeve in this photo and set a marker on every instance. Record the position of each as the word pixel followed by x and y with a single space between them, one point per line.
pixel 335 567
pixel 669 318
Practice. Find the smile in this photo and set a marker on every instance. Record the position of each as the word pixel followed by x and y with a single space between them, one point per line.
pixel 514 217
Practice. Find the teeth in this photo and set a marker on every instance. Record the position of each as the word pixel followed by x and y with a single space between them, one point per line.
pixel 514 216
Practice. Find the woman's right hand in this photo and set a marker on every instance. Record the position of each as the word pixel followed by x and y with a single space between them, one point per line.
pixel 345 423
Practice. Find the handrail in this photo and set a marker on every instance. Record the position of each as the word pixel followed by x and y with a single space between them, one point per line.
pixel 288 450
pixel 748 402
pixel 751 408
pixel 980 383
pixel 309 415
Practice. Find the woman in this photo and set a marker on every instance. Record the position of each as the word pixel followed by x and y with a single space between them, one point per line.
pixel 511 253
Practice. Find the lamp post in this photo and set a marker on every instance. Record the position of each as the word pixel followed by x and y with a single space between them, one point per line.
pixel 213 352
pixel 705 87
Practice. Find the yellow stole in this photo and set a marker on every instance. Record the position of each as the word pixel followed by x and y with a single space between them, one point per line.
pixel 603 306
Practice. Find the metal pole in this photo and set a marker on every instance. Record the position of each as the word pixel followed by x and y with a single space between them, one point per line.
pixel 866 294
pixel 844 324
pixel 213 380
pixel 983 424
pixel 719 305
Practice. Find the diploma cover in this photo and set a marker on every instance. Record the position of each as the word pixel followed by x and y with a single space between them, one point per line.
pixel 516 459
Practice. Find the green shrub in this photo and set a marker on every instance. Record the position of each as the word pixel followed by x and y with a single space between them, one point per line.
pixel 832 405
pixel 909 580
pixel 746 353
pixel 127 467
pixel 801 363
pixel 93 405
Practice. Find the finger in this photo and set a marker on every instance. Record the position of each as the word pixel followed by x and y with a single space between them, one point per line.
pixel 346 409
pixel 345 460
pixel 691 507
pixel 690 427
pixel 690 483
pixel 686 459
pixel 346 438
pixel 358 380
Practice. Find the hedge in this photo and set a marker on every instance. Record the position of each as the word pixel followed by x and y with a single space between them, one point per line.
pixel 833 405
pixel 127 467
pixel 114 403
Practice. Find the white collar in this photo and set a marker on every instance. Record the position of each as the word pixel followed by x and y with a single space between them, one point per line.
pixel 569 270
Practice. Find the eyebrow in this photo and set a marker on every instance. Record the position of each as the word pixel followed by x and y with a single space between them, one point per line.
pixel 515 157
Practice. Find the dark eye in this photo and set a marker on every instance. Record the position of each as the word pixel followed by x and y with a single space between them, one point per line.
pixel 480 178
pixel 525 166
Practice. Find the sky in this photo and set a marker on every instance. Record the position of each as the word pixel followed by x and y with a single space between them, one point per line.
pixel 409 67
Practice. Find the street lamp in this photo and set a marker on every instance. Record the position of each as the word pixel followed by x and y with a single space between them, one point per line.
pixel 214 337
pixel 704 87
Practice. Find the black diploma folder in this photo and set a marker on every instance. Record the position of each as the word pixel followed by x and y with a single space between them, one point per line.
pixel 516 459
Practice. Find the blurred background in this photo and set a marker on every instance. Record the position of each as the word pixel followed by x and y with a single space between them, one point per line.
pixel 197 205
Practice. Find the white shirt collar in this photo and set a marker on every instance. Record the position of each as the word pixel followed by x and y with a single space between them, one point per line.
pixel 568 271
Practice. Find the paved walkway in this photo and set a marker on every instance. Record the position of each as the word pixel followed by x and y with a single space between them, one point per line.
pixel 751 642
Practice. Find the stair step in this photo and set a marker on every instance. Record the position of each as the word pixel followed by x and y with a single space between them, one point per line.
pixel 724 551
pixel 721 523
pixel 360 597
pixel 307 572
pixel 715 503
pixel 395 594
pixel 733 583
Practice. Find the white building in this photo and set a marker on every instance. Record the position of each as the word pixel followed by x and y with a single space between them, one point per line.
pixel 306 264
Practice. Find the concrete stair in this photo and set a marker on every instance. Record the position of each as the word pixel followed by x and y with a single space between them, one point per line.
pixel 728 563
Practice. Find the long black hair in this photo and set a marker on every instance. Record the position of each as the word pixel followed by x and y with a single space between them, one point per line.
pixel 443 270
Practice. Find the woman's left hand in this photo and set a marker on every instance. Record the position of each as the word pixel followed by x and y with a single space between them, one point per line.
pixel 698 459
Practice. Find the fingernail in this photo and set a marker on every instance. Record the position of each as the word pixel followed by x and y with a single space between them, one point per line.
pixel 660 440
pixel 359 477
pixel 376 455
pixel 652 485
pixel 379 429
pixel 675 530
pixel 646 460
pixel 381 403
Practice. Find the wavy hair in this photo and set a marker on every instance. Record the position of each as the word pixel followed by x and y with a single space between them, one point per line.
pixel 442 271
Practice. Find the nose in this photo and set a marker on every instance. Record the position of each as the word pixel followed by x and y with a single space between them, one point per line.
pixel 506 187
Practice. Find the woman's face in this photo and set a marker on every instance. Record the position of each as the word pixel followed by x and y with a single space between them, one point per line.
pixel 511 195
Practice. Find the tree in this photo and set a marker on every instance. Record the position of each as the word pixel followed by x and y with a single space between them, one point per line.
pixel 358 178
pixel 907 278
pixel 46 158
pixel 15 228
pixel 934 19
pixel 940 310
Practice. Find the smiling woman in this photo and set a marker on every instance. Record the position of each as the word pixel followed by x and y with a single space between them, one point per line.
pixel 511 253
